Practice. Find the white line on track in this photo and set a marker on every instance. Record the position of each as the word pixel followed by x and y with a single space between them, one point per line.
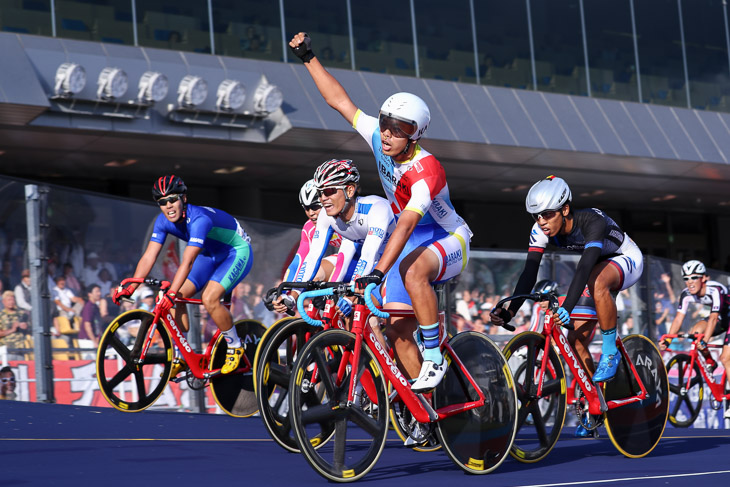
pixel 627 479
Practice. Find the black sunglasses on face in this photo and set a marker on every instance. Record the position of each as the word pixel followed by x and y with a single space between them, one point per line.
pixel 691 278
pixel 545 215
pixel 170 199
pixel 329 192
pixel 312 207
pixel 5 380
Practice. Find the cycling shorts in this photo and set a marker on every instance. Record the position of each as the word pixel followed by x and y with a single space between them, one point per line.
pixel 451 249
pixel 228 271
pixel 629 263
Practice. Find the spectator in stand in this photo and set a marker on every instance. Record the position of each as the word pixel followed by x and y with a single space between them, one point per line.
pixel 6 276
pixel 91 323
pixel 52 273
pixel 22 291
pixel 459 323
pixel 7 384
pixel 1 291
pixel 661 319
pixel 72 281
pixel 462 305
pixel 105 281
pixel 240 308
pixel 67 303
pixel 90 274
pixel 147 300
pixel 108 309
pixel 13 326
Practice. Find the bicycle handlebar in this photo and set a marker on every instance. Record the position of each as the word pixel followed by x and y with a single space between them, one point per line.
pixel 312 294
pixel 164 285
pixel 551 297
pixel 694 336
pixel 369 301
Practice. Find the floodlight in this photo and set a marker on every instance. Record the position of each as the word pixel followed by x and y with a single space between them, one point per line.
pixel 231 95
pixel 267 99
pixel 112 83
pixel 70 79
pixel 193 90
pixel 153 87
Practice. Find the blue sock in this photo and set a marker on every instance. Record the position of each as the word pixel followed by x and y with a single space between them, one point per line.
pixel 609 342
pixel 431 342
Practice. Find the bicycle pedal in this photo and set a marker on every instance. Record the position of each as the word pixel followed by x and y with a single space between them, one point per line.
pixel 178 379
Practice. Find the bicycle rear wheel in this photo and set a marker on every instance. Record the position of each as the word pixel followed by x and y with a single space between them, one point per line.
pixel 360 428
pixel 685 403
pixel 540 419
pixel 270 331
pixel 273 375
pixel 636 428
pixel 124 383
pixel 477 440
pixel 234 392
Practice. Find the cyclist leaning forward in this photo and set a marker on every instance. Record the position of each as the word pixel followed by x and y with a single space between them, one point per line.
pixel 217 257
pixel 364 222
pixel 430 243
pixel 610 262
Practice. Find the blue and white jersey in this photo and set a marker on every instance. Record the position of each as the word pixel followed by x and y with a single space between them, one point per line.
pixel 214 231
pixel 366 232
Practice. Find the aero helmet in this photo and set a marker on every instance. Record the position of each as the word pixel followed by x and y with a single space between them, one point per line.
pixel 693 267
pixel 168 185
pixel 308 194
pixel 336 172
pixel 545 286
pixel 551 193
pixel 408 108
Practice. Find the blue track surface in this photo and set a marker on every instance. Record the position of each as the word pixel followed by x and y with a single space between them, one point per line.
pixel 49 444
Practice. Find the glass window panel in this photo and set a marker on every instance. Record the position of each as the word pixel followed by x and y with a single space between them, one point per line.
pixel 660 52
pixel 611 49
pixel 445 42
pixel 249 28
pixel 383 43
pixel 707 61
pixel 26 17
pixel 98 20
pixel 503 43
pixel 326 23
pixel 559 59
pixel 170 24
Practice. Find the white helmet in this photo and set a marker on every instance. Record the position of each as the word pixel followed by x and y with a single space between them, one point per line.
pixel 550 193
pixel 692 267
pixel 308 194
pixel 408 108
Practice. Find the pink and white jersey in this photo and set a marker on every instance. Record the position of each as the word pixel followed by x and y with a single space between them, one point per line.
pixel 305 243
pixel 418 184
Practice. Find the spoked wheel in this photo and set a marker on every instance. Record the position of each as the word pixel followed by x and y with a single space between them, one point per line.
pixel 360 429
pixel 477 440
pixel 685 402
pixel 420 436
pixel 636 428
pixel 234 392
pixel 540 419
pixel 127 385
pixel 273 374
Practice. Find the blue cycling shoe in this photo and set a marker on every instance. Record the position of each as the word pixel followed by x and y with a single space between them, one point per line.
pixel 581 432
pixel 606 367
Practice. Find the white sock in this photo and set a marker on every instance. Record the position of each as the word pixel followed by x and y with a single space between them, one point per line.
pixel 231 337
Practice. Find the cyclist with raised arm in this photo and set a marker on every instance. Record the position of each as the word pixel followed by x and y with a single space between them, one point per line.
pixel 431 241
pixel 218 256
pixel 610 262
pixel 364 222
pixel 711 294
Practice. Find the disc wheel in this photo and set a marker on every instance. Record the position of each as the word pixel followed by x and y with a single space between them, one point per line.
pixel 270 332
pixel 636 428
pixel 273 375
pixel 125 384
pixel 685 403
pixel 540 418
pixel 360 428
pixel 477 440
pixel 234 392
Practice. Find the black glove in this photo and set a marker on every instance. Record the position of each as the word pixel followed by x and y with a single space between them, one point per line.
pixel 304 50
pixel 319 302
pixel 375 277
pixel 505 315
pixel 268 299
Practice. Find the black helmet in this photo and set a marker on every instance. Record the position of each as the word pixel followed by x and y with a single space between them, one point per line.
pixel 167 185
pixel 545 286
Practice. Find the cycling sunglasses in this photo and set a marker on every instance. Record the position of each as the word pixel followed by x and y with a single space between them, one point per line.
pixel 5 380
pixel 330 192
pixel 398 128
pixel 170 199
pixel 691 278
pixel 545 215
pixel 312 207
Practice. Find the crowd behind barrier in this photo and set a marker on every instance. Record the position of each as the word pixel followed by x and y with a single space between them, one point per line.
pixel 94 241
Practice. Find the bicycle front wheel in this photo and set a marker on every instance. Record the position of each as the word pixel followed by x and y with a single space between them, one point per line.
pixel 685 402
pixel 124 382
pixel 540 418
pixel 477 440
pixel 360 427
pixel 636 428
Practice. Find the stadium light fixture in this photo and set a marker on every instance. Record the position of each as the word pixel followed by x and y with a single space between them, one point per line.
pixel 112 84
pixel 70 79
pixel 153 87
pixel 193 91
pixel 231 95
pixel 268 98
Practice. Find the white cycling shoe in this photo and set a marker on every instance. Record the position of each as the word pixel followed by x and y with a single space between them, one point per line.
pixel 429 377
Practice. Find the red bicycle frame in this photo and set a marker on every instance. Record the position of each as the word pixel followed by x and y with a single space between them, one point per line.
pixel 716 387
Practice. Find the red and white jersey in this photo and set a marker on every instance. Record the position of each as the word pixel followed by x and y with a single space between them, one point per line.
pixel 418 184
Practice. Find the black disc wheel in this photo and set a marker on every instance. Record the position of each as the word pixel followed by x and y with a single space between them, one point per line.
pixel 686 390
pixel 234 392
pixel 124 382
pixel 278 353
pixel 636 428
pixel 479 439
pixel 541 417
pixel 360 426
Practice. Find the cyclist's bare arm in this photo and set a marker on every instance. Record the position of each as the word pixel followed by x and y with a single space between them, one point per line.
pixel 404 228
pixel 330 89
pixel 710 327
